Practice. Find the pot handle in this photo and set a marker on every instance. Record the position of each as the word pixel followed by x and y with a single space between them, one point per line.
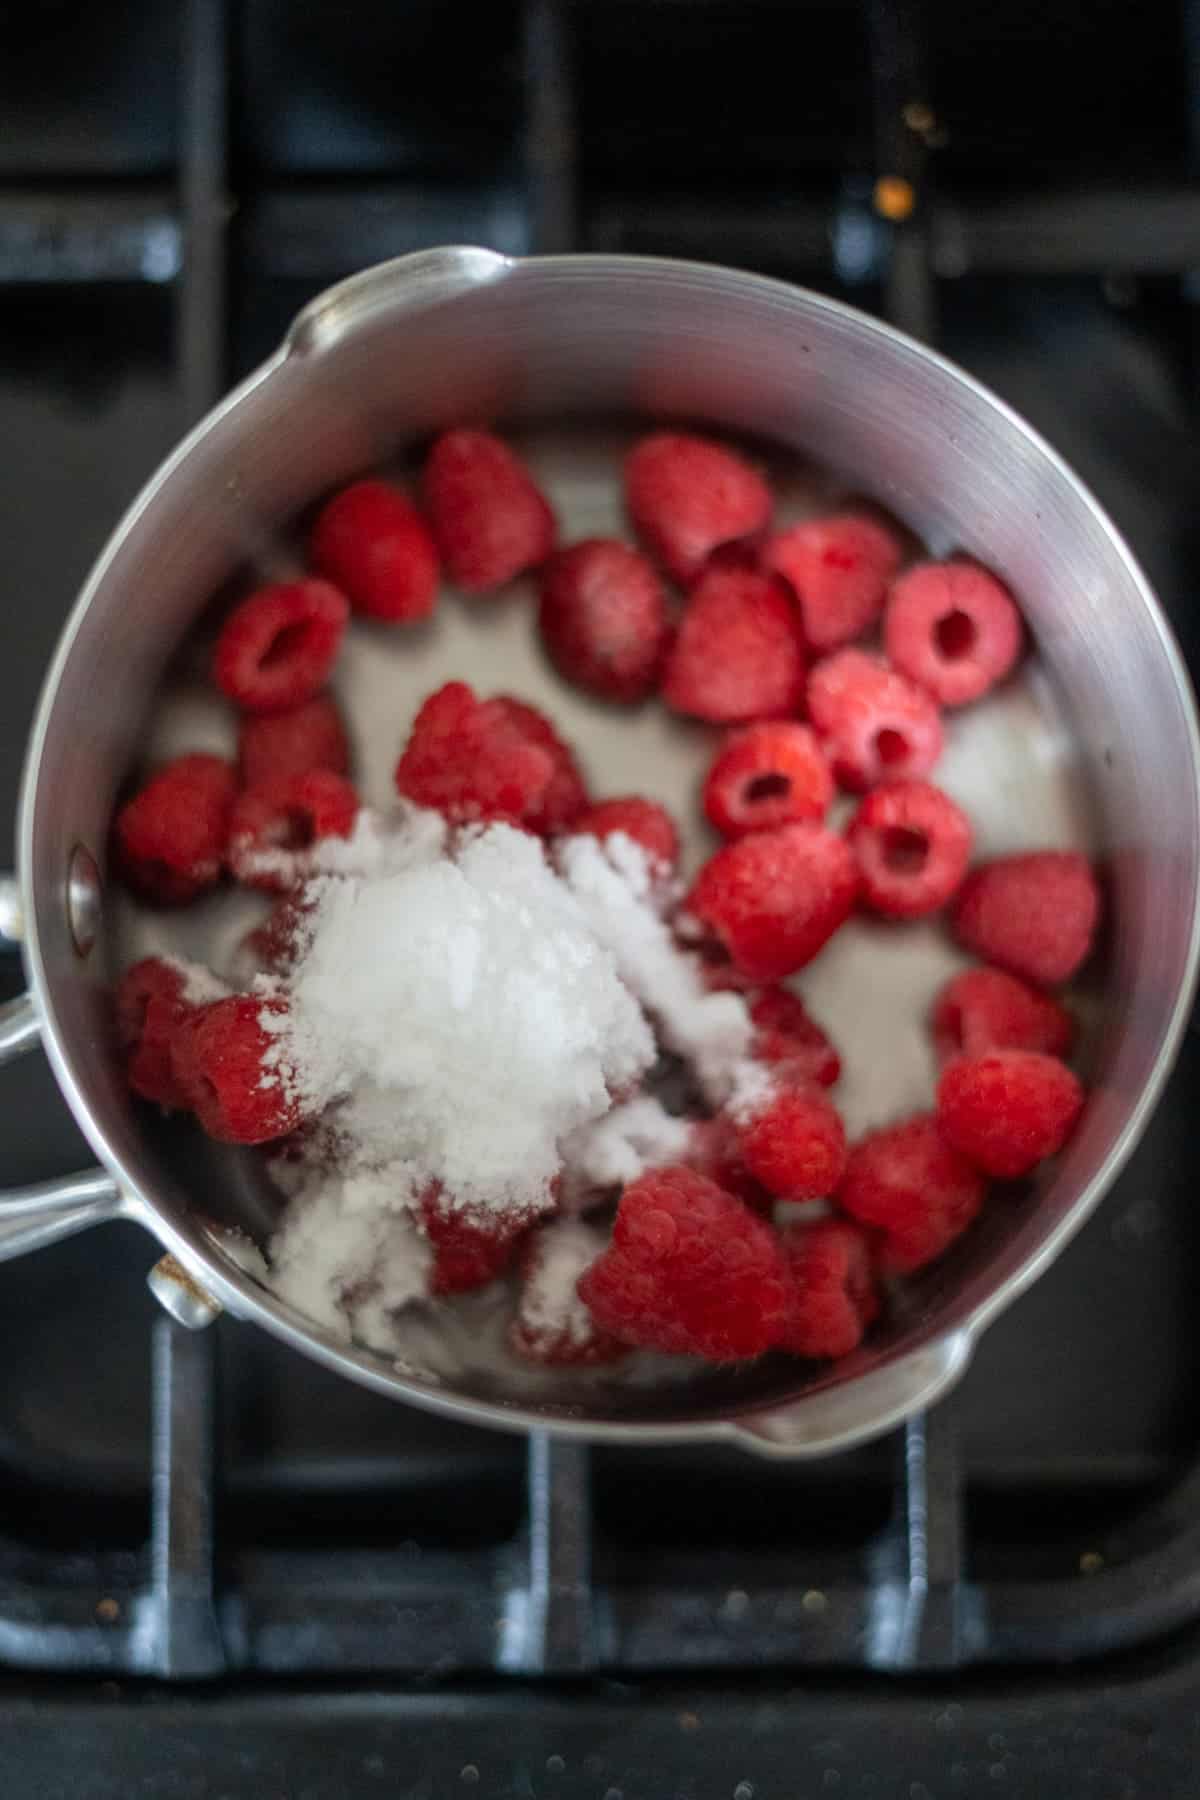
pixel 861 1408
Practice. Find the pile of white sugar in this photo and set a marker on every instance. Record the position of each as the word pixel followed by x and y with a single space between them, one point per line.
pixel 462 1013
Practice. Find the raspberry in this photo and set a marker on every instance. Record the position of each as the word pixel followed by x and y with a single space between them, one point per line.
pixel 276 648
pixel 795 1143
pixel 169 839
pixel 953 628
pixel 228 1066
pixel 834 1286
pixel 310 736
pixel 714 1150
pixel 767 775
pixel 604 619
pixel 471 1245
pixel 838 568
pixel 911 843
pixel 149 1007
pixel 276 944
pixel 786 1033
pixel 470 760
pixel 909 1183
pixel 737 654
pixel 687 495
pixel 1034 914
pixel 690 1271
pixel 489 518
pixel 874 724
pixel 273 826
pixel 552 1325
pixel 772 899
pixel 567 794
pixel 985 1009
pixel 1008 1109
pixel 373 544
pixel 645 821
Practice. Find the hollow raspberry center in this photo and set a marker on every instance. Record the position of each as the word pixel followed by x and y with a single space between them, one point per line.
pixel 288 641
pixel 955 634
pixel 766 787
pixel 891 746
pixel 905 852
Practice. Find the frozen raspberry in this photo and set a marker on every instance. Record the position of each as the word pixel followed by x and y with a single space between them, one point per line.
pixel 552 1324
pixel 1008 1109
pixel 471 1245
pixel 467 759
pixel 604 619
pixel 687 495
pixel 277 647
pixel 737 654
pixel 985 1009
pixel 310 736
pixel 645 821
pixel 794 1143
pixel 150 1005
pixel 785 1032
pixel 566 796
pixel 490 519
pixel 273 826
pixel 690 1271
pixel 834 1283
pixel 767 775
pixel 275 946
pixel 373 544
pixel 169 839
pixel 912 844
pixel 231 1070
pixel 907 1182
pixel 1033 914
pixel 772 899
pixel 953 628
pixel 874 724
pixel 714 1150
pixel 838 568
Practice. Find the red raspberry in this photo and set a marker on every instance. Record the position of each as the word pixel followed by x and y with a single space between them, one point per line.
pixel 715 1151
pixel 1008 1109
pixel 1033 914
pixel 687 495
pixel 985 1009
pixel 169 839
pixel 149 1007
pixel 277 944
pixel 912 844
pixel 567 794
pixel 835 1293
pixel 690 1270
pixel 276 648
pixel 273 826
pixel 553 1326
pixel 471 1245
pixel 310 736
pixel 490 519
pixel 787 1033
pixel 645 821
pixel 838 568
pixel 232 1072
pixel 737 654
pixel 373 544
pixel 767 775
pixel 604 619
pixel 953 628
pixel 795 1143
pixel 469 760
pixel 772 899
pixel 907 1182
pixel 874 724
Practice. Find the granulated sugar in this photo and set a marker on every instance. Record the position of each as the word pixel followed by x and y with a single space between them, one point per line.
pixel 550 1307
pixel 639 1134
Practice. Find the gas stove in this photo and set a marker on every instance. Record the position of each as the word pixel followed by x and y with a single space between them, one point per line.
pixel 223 1571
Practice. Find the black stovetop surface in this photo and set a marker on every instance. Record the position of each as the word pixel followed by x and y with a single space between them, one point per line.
pixel 1006 1599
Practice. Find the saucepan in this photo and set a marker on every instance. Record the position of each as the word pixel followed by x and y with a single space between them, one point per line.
pixel 382 361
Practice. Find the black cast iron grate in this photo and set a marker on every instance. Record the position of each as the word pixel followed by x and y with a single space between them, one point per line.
pixel 552 1596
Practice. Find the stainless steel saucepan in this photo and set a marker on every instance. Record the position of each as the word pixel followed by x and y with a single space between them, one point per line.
pixel 451 335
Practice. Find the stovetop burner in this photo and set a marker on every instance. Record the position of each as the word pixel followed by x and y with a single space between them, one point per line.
pixel 176 1506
